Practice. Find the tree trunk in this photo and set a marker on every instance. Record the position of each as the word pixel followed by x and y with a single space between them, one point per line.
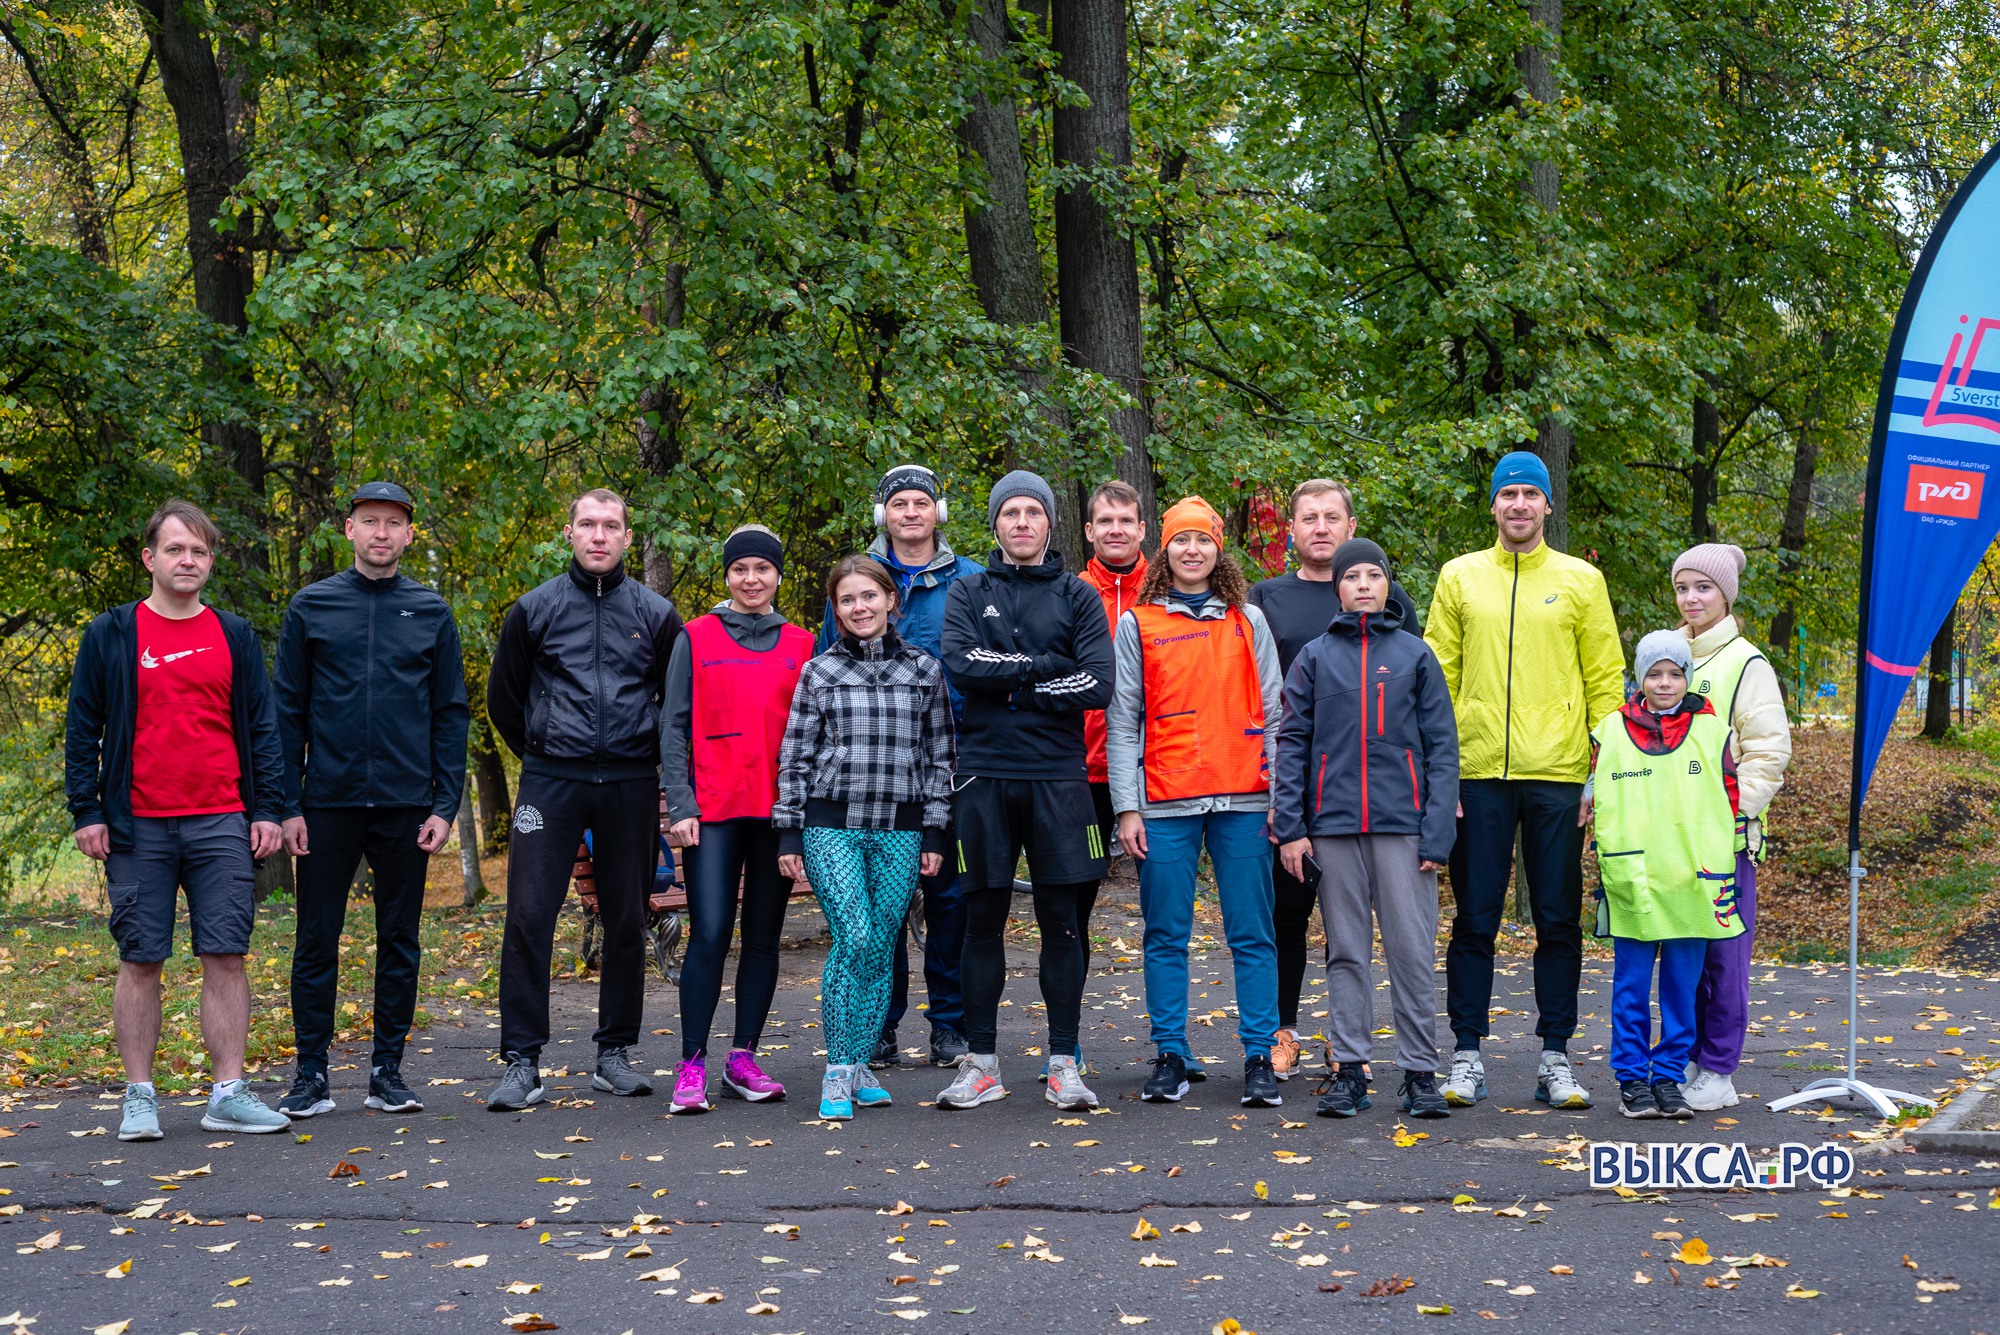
pixel 1792 542
pixel 213 117
pixel 1001 249
pixel 1554 441
pixel 661 410
pixel 1097 271
pixel 1937 696
pixel 52 78
pixel 495 807
pixel 468 851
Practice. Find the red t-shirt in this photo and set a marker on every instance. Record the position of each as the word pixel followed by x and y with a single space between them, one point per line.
pixel 184 760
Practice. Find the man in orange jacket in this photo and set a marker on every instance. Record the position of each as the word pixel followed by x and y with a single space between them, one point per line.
pixel 1115 529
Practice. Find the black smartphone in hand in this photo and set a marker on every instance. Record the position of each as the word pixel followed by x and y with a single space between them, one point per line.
pixel 1309 872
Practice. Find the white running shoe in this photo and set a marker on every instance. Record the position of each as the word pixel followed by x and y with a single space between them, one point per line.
pixel 1465 1085
pixel 978 1082
pixel 1556 1083
pixel 1709 1091
pixel 1066 1088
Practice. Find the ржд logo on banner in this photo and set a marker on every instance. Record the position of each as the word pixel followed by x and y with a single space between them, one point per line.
pixel 1944 491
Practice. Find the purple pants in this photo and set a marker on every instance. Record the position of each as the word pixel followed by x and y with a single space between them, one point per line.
pixel 1722 1002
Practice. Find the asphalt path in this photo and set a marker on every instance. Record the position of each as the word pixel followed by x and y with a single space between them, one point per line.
pixel 591 1213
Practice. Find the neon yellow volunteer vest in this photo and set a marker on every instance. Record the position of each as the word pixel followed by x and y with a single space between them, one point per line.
pixel 1721 673
pixel 1666 836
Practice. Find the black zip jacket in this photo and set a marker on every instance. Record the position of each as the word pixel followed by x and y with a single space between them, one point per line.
pixel 1367 743
pixel 104 711
pixel 577 677
pixel 370 683
pixel 1028 648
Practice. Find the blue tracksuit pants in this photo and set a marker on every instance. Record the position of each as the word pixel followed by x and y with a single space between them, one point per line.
pixel 1634 1056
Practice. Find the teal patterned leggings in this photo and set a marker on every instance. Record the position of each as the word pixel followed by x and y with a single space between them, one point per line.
pixel 863 880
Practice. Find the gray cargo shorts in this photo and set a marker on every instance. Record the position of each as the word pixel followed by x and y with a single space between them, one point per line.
pixel 208 857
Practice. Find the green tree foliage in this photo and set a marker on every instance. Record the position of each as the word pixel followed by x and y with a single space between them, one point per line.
pixel 716 256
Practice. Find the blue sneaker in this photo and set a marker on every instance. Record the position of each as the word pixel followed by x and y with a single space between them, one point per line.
pixel 867 1091
pixel 241 1111
pixel 836 1095
pixel 142 1116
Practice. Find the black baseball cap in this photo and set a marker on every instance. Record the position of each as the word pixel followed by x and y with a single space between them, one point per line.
pixel 382 491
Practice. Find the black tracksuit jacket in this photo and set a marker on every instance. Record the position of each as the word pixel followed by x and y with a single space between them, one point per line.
pixel 1029 649
pixel 370 683
pixel 578 677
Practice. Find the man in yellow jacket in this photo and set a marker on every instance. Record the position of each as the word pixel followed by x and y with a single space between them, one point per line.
pixel 1531 654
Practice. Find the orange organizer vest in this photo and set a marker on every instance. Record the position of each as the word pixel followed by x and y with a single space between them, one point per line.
pixel 1204 711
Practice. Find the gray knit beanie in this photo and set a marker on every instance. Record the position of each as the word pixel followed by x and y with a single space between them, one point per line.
pixel 1662 646
pixel 1020 482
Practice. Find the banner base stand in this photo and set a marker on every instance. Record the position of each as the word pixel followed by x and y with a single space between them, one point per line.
pixel 1883 1101
pixel 1851 1085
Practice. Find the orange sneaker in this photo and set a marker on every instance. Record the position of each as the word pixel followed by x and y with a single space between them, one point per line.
pixel 1284 1054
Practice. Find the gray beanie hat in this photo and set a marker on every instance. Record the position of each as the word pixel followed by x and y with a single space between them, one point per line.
pixel 1020 482
pixel 1662 646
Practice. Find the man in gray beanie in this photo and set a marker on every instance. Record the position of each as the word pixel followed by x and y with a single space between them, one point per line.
pixel 1027 643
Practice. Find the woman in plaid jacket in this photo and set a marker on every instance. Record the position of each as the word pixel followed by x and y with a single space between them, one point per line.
pixel 864 798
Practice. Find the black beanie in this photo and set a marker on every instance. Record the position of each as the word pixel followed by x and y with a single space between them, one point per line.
pixel 752 542
pixel 1359 552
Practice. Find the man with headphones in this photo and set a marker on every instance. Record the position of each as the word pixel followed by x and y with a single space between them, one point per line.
pixel 909 506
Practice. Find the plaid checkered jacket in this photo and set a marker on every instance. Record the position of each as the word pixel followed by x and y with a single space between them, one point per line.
pixel 870 726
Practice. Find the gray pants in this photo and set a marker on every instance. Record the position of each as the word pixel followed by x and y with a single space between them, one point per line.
pixel 1375 876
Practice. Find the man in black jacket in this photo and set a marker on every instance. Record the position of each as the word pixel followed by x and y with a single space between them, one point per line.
pixel 372 715
pixel 1028 646
pixel 575 692
pixel 175 784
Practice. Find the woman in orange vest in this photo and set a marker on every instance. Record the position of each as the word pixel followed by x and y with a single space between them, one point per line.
pixel 729 691
pixel 1189 757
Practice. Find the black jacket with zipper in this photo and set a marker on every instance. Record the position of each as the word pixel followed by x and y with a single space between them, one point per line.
pixel 577 676
pixel 1367 743
pixel 1029 650
pixel 370 684
pixel 104 711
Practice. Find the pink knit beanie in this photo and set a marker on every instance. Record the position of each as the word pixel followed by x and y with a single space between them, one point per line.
pixel 1721 562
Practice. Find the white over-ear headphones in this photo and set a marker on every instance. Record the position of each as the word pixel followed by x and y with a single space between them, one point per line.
pixel 943 506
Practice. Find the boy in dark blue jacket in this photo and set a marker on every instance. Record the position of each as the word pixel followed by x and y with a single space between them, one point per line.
pixel 1367 786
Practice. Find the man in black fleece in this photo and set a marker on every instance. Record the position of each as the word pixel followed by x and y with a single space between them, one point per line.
pixel 1027 645
pixel 372 715
pixel 575 692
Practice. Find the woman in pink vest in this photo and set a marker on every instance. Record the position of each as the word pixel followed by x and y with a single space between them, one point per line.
pixel 729 691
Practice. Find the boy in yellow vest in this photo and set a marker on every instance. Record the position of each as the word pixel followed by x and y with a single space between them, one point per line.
pixel 1664 789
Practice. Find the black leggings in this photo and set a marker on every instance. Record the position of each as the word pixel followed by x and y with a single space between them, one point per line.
pixel 1291 917
pixel 746 848
pixel 1063 914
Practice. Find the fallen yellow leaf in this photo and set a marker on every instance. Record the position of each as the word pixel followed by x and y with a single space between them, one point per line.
pixel 469 1262
pixel 1149 1259
pixel 109 1327
pixel 1693 1252
pixel 1144 1232
pixel 119 1271
pixel 707 1296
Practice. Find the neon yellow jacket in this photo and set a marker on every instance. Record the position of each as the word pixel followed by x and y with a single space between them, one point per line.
pixel 1531 653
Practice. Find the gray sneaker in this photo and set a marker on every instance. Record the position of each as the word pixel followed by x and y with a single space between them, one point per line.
pixel 1556 1083
pixel 519 1088
pixel 615 1075
pixel 978 1082
pixel 243 1112
pixel 1465 1084
pixel 142 1117
pixel 1066 1088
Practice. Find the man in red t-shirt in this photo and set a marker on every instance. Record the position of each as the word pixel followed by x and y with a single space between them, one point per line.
pixel 175 783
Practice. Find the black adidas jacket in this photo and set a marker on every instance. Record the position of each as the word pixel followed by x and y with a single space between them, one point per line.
pixel 1029 649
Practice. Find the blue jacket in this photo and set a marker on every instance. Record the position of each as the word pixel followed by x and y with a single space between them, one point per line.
pixel 1367 743
pixel 920 620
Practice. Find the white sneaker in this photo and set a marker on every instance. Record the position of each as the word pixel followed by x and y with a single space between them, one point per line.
pixel 978 1082
pixel 1556 1083
pixel 1466 1083
pixel 1709 1091
pixel 1066 1088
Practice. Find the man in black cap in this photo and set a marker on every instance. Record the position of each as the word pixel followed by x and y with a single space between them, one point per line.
pixel 372 718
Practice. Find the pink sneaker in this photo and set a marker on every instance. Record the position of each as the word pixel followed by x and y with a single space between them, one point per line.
pixel 747 1080
pixel 691 1086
